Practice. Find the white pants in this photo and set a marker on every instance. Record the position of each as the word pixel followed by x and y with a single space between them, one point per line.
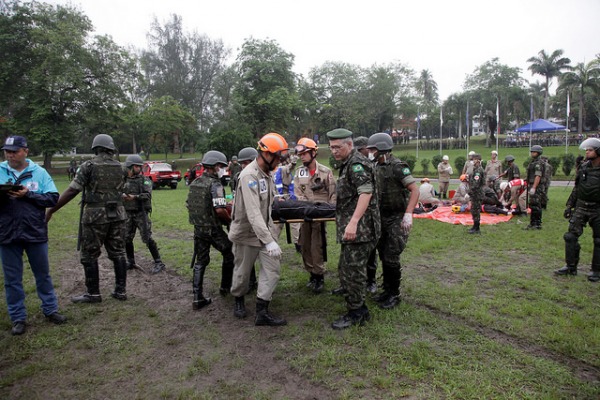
pixel 268 276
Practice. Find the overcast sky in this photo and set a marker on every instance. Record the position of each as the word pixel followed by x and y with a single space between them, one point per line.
pixel 450 38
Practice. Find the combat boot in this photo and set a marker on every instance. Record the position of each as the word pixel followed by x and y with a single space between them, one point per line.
pixel 319 284
pixel 311 281
pixel 239 309
pixel 566 270
pixel 594 276
pixel 263 317
pixel 120 266
pixel 129 250
pixel 339 291
pixel 353 317
pixel 389 303
pixel 92 283
pixel 158 267
pixel 199 300
pixel 475 228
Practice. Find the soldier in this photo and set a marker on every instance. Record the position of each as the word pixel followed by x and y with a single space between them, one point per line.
pixel 245 157
pixel 546 180
pixel 102 218
pixel 535 183
pixel 208 212
pixel 234 168
pixel 444 171
pixel 476 183
pixel 358 224
pixel 313 182
pixel 583 207
pixel 137 199
pixel 398 195
pixel 252 231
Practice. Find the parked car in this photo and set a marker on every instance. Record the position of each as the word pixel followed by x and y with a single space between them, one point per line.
pixel 197 170
pixel 161 174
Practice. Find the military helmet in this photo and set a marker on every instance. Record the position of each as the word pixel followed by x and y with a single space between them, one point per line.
pixel 380 141
pixel 234 158
pixel 214 157
pixel 591 143
pixel 491 178
pixel 247 154
pixel 537 148
pixel 361 142
pixel 103 140
pixel 133 159
pixel 509 158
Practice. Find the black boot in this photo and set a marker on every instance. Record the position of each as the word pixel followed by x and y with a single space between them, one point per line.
pixel 566 270
pixel 130 251
pixel 158 264
pixel 226 274
pixel 594 276
pixel 353 317
pixel 239 309
pixel 199 300
pixel 475 228
pixel 120 292
pixel 92 283
pixel 319 284
pixel 263 317
pixel 311 281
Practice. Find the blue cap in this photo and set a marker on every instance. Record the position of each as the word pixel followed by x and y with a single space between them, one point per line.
pixel 14 143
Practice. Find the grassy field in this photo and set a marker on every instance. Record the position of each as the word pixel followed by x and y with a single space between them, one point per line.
pixel 482 318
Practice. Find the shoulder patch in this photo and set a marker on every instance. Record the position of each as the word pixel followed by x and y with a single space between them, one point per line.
pixel 406 171
pixel 357 168
pixel 252 184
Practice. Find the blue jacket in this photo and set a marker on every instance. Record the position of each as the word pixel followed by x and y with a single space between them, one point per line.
pixel 24 219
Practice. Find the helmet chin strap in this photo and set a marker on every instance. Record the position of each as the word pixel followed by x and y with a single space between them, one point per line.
pixel 313 155
pixel 269 163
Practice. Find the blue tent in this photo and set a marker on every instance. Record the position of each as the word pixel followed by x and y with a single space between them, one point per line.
pixel 540 125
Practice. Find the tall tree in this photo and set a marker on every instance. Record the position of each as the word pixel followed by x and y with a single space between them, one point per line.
pixel 266 91
pixel 549 66
pixel 584 81
pixel 427 89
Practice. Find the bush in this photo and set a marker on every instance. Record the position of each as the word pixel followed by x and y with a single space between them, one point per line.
pixel 555 162
pixel 410 160
pixel 459 163
pixel 568 162
pixel 425 165
pixel 435 161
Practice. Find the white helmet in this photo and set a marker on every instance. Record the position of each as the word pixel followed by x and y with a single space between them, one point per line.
pixel 503 185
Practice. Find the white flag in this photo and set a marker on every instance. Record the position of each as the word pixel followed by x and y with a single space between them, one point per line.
pixel 441 117
pixel 568 106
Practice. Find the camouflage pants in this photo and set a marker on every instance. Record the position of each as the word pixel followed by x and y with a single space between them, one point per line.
pixel 476 208
pixel 391 244
pixel 94 236
pixel 138 220
pixel 582 216
pixel 214 236
pixel 352 269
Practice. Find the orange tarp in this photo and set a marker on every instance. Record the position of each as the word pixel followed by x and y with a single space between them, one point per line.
pixel 445 214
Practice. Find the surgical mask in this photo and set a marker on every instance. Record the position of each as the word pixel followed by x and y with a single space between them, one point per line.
pixel 220 173
pixel 371 156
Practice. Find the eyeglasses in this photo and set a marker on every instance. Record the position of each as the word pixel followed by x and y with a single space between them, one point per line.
pixel 335 147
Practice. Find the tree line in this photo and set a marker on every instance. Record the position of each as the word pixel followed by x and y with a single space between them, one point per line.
pixel 60 86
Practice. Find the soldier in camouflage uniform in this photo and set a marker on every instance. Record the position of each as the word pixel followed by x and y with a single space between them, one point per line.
pixel 358 224
pixel 137 199
pixel 398 196
pixel 208 213
pixel 103 217
pixel 583 207
pixel 313 182
pixel 476 184
pixel 546 180
pixel 234 169
pixel 536 185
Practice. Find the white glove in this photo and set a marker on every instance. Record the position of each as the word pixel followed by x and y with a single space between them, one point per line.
pixel 406 224
pixel 531 191
pixel 451 172
pixel 273 249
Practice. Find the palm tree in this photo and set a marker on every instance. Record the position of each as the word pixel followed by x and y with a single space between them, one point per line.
pixel 427 88
pixel 584 80
pixel 549 66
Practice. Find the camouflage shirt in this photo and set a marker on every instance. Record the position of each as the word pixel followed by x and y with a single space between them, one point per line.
pixel 138 185
pixel 206 194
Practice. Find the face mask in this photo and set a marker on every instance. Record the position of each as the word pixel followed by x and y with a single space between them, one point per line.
pixel 220 173
pixel 371 156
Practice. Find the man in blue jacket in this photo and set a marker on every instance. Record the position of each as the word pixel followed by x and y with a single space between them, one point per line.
pixel 23 228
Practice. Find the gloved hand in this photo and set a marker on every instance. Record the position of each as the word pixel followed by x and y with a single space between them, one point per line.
pixel 568 213
pixel 531 191
pixel 273 249
pixel 406 224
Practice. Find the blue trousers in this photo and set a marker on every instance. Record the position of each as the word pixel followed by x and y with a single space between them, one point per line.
pixel 12 266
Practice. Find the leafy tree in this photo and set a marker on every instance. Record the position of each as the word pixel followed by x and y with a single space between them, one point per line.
pixel 425 165
pixel 584 80
pixel 427 89
pixel 549 66
pixel 435 161
pixel 459 163
pixel 555 163
pixel 568 162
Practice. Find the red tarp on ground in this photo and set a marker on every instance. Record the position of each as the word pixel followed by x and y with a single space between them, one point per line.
pixel 445 214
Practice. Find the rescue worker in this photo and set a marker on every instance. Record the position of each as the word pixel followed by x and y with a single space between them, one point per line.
pixel 313 182
pixel 583 207
pixel 137 199
pixel 493 166
pixel 461 196
pixel 476 184
pixel 398 195
pixel 103 217
pixel 252 230
pixel 357 222
pixel 468 167
pixel 536 185
pixel 444 171
pixel 207 209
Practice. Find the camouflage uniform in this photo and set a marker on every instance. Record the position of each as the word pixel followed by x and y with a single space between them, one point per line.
pixel 476 184
pixel 319 187
pixel 138 217
pixel 207 194
pixel 356 177
pixel 393 178
pixel 234 171
pixel 536 168
pixel 103 218
pixel 546 180
pixel 585 200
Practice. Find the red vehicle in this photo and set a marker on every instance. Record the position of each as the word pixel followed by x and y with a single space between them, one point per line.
pixel 197 170
pixel 161 174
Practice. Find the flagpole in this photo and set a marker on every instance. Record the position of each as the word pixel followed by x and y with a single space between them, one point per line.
pixel 441 124
pixel 497 122
pixel 418 127
pixel 567 124
pixel 467 124
pixel 531 120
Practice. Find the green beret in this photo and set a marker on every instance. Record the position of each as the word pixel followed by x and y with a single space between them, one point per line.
pixel 361 142
pixel 339 133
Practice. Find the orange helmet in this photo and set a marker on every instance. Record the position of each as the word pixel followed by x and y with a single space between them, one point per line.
pixel 464 178
pixel 273 143
pixel 305 144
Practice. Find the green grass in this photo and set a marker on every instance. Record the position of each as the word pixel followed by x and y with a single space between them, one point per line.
pixel 481 317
